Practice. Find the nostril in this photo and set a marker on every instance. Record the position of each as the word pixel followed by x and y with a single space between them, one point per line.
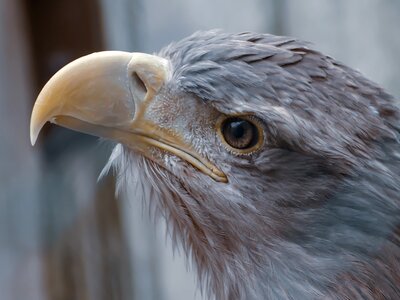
pixel 139 87
pixel 146 74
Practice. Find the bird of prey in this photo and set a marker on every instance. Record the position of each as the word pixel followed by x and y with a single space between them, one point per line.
pixel 276 167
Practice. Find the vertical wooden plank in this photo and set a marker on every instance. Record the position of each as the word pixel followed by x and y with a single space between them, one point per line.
pixel 19 169
pixel 279 17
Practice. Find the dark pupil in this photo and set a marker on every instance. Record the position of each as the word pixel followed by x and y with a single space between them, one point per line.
pixel 240 133
pixel 238 128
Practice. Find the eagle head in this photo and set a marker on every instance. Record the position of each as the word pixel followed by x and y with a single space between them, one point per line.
pixel 276 167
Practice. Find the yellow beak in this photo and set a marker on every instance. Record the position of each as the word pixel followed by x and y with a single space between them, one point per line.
pixel 106 94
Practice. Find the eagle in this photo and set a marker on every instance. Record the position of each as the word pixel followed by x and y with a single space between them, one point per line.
pixel 276 167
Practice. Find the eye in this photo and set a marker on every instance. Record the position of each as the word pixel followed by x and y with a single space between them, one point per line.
pixel 241 134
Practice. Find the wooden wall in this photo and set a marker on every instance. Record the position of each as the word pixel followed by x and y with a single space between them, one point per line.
pixel 62 234
pixel 20 266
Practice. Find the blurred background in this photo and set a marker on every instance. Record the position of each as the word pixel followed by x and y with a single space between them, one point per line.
pixel 63 235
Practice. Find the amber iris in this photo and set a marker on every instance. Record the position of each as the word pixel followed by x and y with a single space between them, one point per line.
pixel 240 133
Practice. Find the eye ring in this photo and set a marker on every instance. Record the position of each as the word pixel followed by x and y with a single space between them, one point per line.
pixel 240 134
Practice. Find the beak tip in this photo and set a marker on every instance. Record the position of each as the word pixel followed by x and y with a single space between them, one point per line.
pixel 33 136
pixel 40 115
pixel 35 128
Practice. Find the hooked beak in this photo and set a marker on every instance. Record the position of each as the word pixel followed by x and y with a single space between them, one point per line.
pixel 106 94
